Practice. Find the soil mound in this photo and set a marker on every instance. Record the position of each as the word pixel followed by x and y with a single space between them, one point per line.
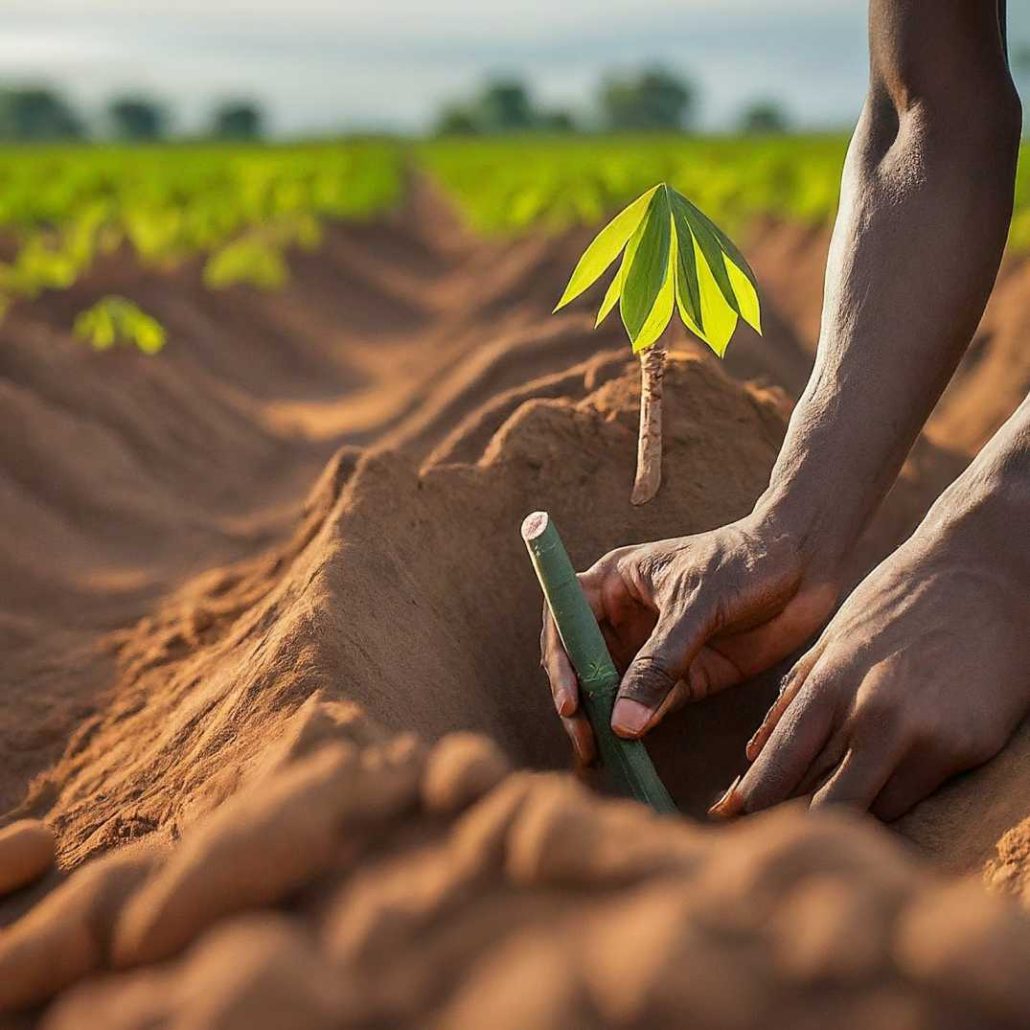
pixel 359 879
pixel 407 590
pixel 212 684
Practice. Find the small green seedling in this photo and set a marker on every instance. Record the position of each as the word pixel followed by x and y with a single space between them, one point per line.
pixel 114 320
pixel 250 260
pixel 673 259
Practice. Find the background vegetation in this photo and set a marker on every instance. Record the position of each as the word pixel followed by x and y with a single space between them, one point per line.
pixel 74 186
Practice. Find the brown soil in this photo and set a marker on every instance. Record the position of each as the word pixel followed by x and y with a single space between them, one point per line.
pixel 192 631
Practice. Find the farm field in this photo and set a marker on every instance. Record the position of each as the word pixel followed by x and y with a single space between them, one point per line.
pixel 270 419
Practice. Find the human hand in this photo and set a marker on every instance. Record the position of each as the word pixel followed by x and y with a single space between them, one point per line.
pixel 687 617
pixel 922 674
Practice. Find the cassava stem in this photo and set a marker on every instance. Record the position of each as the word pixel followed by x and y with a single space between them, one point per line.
pixel 649 440
pixel 626 761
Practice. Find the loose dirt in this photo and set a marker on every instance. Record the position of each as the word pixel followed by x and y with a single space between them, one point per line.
pixel 270 641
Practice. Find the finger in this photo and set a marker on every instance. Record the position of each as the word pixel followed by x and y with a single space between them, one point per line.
pixel 582 738
pixel 792 683
pixel 916 777
pixel 659 665
pixel 624 621
pixel 823 767
pixel 560 674
pixel 877 747
pixel 798 739
pixel 861 775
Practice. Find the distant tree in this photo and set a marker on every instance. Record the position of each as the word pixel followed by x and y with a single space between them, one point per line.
pixel 36 113
pixel 556 121
pixel 654 100
pixel 137 118
pixel 457 120
pixel 504 106
pixel 238 120
pixel 764 117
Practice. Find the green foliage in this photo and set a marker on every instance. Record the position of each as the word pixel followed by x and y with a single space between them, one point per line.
pixel 502 106
pixel 63 207
pixel 763 118
pixel 653 101
pixel 504 187
pixel 115 320
pixel 238 120
pixel 673 258
pixel 35 114
pixel 137 118
pixel 253 261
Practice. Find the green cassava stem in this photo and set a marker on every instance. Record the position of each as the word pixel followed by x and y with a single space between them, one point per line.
pixel 626 761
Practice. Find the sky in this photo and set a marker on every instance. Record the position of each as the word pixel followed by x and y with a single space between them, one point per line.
pixel 330 65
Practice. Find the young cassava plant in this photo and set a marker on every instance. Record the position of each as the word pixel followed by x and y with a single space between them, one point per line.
pixel 674 259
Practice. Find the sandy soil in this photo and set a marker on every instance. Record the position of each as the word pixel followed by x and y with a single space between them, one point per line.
pixel 249 583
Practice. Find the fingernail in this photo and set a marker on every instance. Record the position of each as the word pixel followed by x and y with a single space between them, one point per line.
pixel 751 743
pixel 629 717
pixel 565 706
pixel 719 809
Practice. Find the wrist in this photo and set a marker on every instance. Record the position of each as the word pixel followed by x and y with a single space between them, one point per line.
pixel 820 543
pixel 983 513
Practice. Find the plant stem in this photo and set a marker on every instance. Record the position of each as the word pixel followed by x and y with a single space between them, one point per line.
pixel 649 440
pixel 627 762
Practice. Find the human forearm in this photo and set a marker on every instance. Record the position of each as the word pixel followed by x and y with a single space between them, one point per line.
pixel 986 511
pixel 926 202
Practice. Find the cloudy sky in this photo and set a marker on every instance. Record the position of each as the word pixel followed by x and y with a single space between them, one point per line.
pixel 324 65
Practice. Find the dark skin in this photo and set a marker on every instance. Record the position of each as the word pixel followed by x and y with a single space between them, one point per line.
pixel 923 671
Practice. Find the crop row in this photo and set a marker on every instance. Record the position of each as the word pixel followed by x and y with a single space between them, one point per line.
pixel 506 186
pixel 239 209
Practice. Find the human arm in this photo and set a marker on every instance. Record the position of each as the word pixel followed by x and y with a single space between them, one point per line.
pixel 926 201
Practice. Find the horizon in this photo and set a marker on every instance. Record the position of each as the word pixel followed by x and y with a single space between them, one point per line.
pixel 322 68
pixel 318 68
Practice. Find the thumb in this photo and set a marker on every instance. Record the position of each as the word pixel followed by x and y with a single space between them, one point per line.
pixel 659 666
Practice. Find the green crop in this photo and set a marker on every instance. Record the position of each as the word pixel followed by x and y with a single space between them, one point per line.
pixel 239 210
pixel 236 208
pixel 674 258
pixel 115 320
pixel 512 185
pixel 508 186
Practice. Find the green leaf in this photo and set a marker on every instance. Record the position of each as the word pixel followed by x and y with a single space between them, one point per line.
pixel 720 318
pixel 647 257
pixel 721 255
pixel 729 248
pixel 606 247
pixel 747 296
pixel 674 258
pixel 688 289
pixel 664 305
pixel 611 298
pixel 708 244
pixel 114 320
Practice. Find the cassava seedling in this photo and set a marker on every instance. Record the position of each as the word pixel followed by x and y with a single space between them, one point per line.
pixel 674 258
pixel 115 320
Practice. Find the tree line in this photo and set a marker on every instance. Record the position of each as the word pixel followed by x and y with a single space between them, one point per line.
pixel 42 114
pixel 652 100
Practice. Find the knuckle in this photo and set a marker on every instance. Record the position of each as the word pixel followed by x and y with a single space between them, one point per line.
pixel 969 748
pixel 604 566
pixel 648 680
pixel 699 681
